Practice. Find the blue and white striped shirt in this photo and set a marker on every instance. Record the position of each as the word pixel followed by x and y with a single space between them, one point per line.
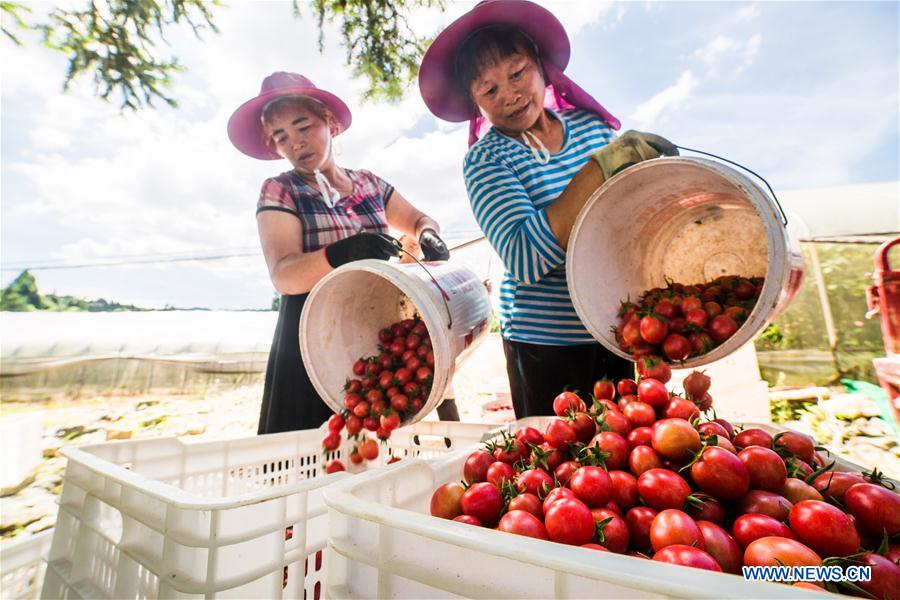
pixel 509 192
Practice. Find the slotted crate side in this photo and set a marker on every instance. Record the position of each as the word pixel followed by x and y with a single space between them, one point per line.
pixel 229 518
pixel 23 563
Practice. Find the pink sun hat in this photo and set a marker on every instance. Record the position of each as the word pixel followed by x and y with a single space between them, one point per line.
pixel 245 125
pixel 437 74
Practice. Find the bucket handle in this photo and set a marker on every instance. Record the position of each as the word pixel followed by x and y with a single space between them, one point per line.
pixel 444 295
pixel 757 175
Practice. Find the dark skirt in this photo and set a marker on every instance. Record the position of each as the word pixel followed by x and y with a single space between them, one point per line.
pixel 290 402
pixel 538 373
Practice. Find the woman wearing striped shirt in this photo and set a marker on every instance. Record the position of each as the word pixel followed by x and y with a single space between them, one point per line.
pixel 312 219
pixel 528 172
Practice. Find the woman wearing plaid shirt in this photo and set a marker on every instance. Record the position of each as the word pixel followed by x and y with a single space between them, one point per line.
pixel 312 219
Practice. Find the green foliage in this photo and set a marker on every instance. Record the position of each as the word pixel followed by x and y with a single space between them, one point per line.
pixel 118 42
pixel 380 44
pixel 276 301
pixel 22 295
pixel 14 11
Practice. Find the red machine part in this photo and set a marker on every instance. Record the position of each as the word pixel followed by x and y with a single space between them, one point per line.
pixel 884 297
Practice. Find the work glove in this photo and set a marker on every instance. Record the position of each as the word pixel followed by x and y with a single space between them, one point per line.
pixel 433 247
pixel 361 245
pixel 630 149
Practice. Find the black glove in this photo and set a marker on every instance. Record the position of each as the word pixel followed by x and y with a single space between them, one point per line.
pixel 433 247
pixel 361 245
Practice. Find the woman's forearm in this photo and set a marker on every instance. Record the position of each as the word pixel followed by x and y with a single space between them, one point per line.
pixel 563 211
pixel 299 273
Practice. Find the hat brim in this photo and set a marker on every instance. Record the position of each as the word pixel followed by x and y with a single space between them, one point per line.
pixel 437 81
pixel 245 127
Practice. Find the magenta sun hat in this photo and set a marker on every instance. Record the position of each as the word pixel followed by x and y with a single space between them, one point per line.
pixel 245 127
pixel 437 78
pixel 437 74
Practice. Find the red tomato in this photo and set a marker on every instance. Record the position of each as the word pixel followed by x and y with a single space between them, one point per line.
pixel 688 556
pixel 639 519
pixel 653 330
pixel 530 435
pixel 721 474
pixel 624 489
pixel 751 527
pixel 615 446
pixel 368 449
pixel 626 387
pixel 476 466
pixel 594 546
pixel 653 392
pixel 643 459
pixel 721 547
pixel 616 422
pixel 335 422
pixel 564 471
pixel 555 495
pixel 824 528
pixel 661 488
pixel 639 414
pixel 603 388
pixel 676 347
pixel 523 523
pixel 679 408
pixel 547 456
pixel 712 428
pixel 875 507
pixel 653 367
pixel 775 551
pixel 446 501
pixel 484 502
pixel 591 485
pixel 767 470
pixel 527 502
pixel 560 434
pixel 334 466
pixel 584 425
pixel 390 421
pixel 672 526
pixel 797 490
pixel 612 531
pixel 639 436
pixel 568 401
pixel 510 450
pixel 753 437
pixel 707 509
pixel 332 441
pixel 835 484
pixel 569 521
pixel 468 520
pixel 534 481
pixel 793 443
pixel 499 472
pixel 722 327
pixel 354 424
pixel 885 581
pixel 765 503
pixel 675 439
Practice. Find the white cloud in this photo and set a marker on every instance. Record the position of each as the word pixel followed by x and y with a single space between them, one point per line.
pixel 649 114
pixel 576 15
pixel 724 53
pixel 748 12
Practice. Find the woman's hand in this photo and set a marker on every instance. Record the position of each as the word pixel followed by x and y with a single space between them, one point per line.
pixel 631 148
pixel 360 246
pixel 433 247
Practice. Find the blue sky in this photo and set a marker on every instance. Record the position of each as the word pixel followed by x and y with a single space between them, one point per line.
pixel 805 93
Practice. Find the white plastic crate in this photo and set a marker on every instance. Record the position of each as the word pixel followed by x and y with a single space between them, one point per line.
pixel 383 543
pixel 241 518
pixel 22 564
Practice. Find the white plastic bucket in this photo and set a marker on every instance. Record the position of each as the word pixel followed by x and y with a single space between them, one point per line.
pixel 688 219
pixel 347 308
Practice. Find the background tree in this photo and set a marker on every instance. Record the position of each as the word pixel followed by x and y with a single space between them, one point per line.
pixel 118 42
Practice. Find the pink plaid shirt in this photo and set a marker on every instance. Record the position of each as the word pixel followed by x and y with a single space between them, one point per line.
pixel 362 210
